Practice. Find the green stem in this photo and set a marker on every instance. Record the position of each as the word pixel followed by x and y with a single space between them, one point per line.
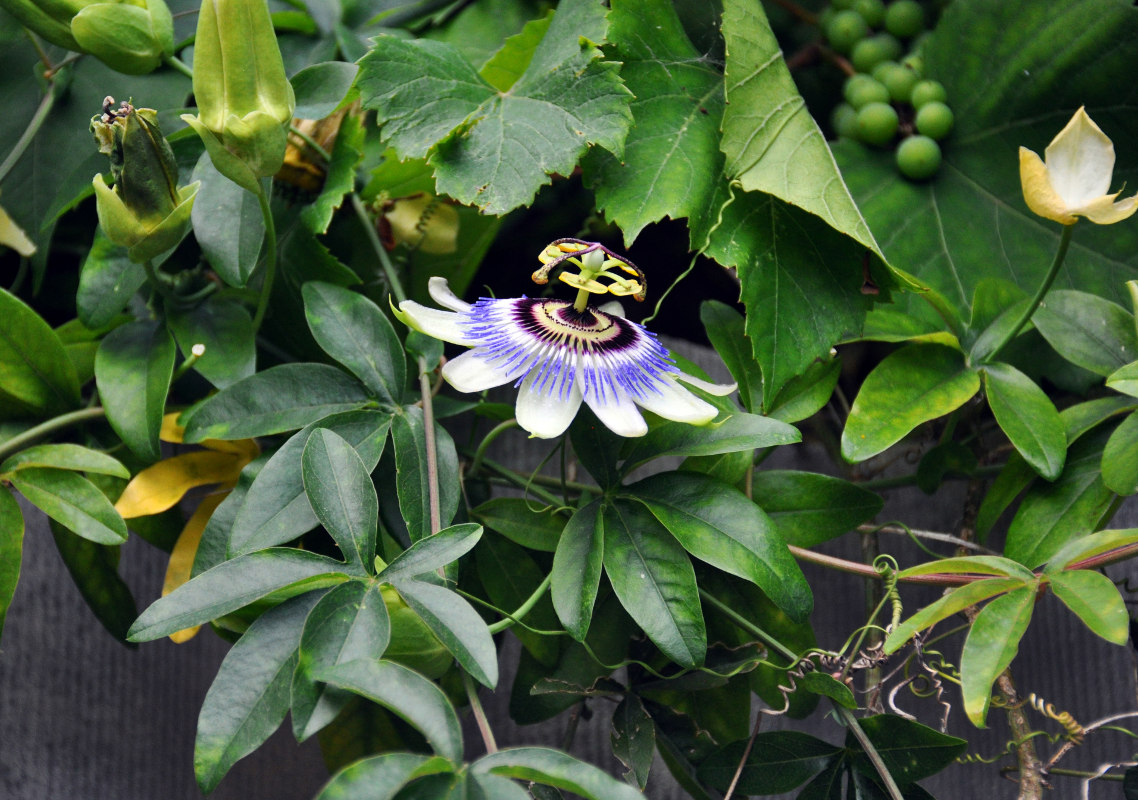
pixel 746 625
pixel 479 713
pixel 495 432
pixel 312 143
pixel 389 272
pixel 22 440
pixel 582 300
pixel 270 258
pixel 179 65
pixel 429 444
pixel 870 751
pixel 156 281
pixel 1041 292
pixel 34 125
pixel 524 608
pixel 532 482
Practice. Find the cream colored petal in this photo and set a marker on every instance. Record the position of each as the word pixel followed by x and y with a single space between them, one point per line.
pixel 544 414
pixel 717 389
pixel 1040 197
pixel 1106 210
pixel 440 292
pixel 677 403
pixel 471 372
pixel 1080 161
pixel 619 414
pixel 12 235
pixel 440 324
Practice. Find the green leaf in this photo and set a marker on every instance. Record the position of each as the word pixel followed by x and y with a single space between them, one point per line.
pixel 320 88
pixel 1120 458
pixel 771 142
pixel 671 162
pixel 951 603
pixel 503 69
pixel 350 622
pixel 351 329
pixel 108 280
pixel 726 329
pixel 918 383
pixel 381 777
pixel 911 751
pixel 738 432
pixel 1013 77
pixel 517 520
pixel 596 447
pixel 1089 331
pixel 340 179
pixel 718 524
pixel 35 373
pixel 339 488
pixel 991 645
pixel 408 694
pixel 1095 600
pixel 808 509
pixel 73 502
pixel 94 569
pixel 577 569
pixel 1028 417
pixel 1090 545
pixel 11 550
pixel 828 686
pixel 942 460
pixel 408 435
pixel 1053 514
pixel 249 697
pixel 434 552
pixel 226 330
pixel 555 768
pixel 633 739
pixel 279 399
pixel 277 509
pixel 432 101
pixel 510 576
pixel 65 456
pixel 971 565
pixel 1125 379
pixel 807 394
pixel 133 368
pixel 777 762
pixel 228 224
pixel 235 584
pixel 457 625
pixel 213 547
pixel 1016 476
pixel 654 579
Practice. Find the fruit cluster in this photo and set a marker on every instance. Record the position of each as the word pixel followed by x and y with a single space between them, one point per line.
pixel 886 99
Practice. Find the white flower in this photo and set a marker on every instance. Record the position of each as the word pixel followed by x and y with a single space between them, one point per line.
pixel 558 357
pixel 1075 180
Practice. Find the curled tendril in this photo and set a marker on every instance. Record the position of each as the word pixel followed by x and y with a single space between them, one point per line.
pixel 1075 731
pixel 886 567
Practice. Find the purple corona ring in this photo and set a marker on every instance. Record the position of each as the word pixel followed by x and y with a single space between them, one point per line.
pixel 557 357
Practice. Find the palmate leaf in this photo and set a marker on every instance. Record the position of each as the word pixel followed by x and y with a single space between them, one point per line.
pixel 495 149
pixel 970 222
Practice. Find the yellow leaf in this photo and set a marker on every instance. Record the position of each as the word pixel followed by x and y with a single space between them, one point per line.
pixel 171 431
pixel 160 486
pixel 185 550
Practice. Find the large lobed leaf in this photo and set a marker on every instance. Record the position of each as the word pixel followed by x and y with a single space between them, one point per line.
pixel 490 148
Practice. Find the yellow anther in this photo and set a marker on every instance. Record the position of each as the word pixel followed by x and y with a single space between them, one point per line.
pixel 577 282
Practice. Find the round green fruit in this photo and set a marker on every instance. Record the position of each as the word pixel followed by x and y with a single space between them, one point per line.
pixel 898 80
pixel 877 123
pixel 861 89
pixel 843 119
pixel 934 120
pixel 868 53
pixel 872 11
pixel 927 92
pixel 918 157
pixel 904 18
pixel 845 29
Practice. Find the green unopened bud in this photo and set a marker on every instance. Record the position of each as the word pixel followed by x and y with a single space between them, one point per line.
pixel 129 36
pixel 245 101
pixel 131 39
pixel 145 211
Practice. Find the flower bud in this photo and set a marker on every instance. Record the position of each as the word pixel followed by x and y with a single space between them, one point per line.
pixel 145 211
pixel 129 36
pixel 245 101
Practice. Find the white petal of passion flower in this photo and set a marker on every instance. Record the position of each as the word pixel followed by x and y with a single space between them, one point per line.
pixel 439 324
pixel 472 372
pixel 543 413
pixel 674 402
pixel 619 414
pixel 440 292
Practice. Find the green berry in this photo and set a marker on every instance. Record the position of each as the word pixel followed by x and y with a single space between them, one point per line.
pixel 918 157
pixel 861 89
pixel 872 11
pixel 889 43
pixel 877 123
pixel 904 18
pixel 898 80
pixel 846 29
pixel 843 119
pixel 915 62
pixel 934 119
pixel 879 71
pixel 868 53
pixel 927 92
